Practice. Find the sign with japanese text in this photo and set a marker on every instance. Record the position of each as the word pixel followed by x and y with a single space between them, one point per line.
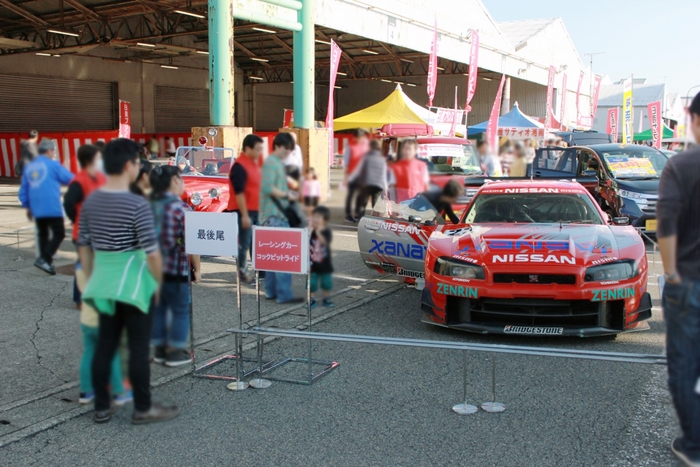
pixel 550 96
pixel 520 133
pixel 279 249
pixel 627 112
pixel 492 126
pixel 335 62
pixel 448 116
pixel 473 69
pixel 612 125
pixel 124 119
pixel 432 66
pixel 654 109
pixel 211 233
pixel 562 116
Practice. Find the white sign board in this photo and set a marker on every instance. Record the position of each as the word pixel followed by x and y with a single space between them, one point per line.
pixel 211 233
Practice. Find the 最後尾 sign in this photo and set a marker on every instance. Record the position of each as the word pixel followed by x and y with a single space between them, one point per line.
pixel 279 249
pixel 211 233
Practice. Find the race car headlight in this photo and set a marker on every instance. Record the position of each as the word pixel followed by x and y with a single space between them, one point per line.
pixel 455 268
pixel 196 199
pixel 619 271
pixel 214 193
pixel 633 196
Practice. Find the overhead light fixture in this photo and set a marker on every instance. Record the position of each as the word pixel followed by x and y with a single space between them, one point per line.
pixel 256 78
pixel 406 60
pixel 411 84
pixel 371 52
pixel 144 44
pixel 486 79
pixel 203 52
pixel 170 67
pixel 465 74
pixel 323 42
pixel 269 31
pixel 385 80
pixel 65 33
pixel 190 13
pixel 338 87
pixel 264 60
pixel 340 73
pixel 440 68
pixel 42 54
pixel 57 55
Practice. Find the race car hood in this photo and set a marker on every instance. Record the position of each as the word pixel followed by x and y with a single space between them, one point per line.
pixel 566 244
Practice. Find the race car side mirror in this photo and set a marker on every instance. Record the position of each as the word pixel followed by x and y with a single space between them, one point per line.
pixel 621 220
pixel 429 223
pixel 414 218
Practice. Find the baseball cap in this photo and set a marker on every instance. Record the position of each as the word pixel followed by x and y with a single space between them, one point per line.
pixel 695 105
pixel 46 145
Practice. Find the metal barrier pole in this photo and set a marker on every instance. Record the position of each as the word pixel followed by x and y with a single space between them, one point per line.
pixel 493 406
pixel 194 364
pixel 308 307
pixel 259 382
pixel 464 408
pixel 238 385
pixel 19 254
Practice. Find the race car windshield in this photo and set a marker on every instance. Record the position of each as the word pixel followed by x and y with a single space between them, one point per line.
pixel 533 208
pixel 635 163
pixel 460 159
pixel 417 209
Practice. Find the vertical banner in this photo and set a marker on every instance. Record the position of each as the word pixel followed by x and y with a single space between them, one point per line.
pixel 550 97
pixel 654 109
pixel 612 123
pixel 473 72
pixel 562 116
pixel 124 119
pixel 335 61
pixel 288 118
pixel 492 127
pixel 453 127
pixel 596 93
pixel 578 98
pixel 432 68
pixel 627 111
pixel 641 121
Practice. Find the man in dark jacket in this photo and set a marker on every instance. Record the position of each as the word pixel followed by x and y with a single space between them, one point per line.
pixel 678 232
pixel 371 178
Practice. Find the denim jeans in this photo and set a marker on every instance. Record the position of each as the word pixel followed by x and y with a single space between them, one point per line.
pixel 245 240
pixel 174 297
pixel 681 304
pixel 278 285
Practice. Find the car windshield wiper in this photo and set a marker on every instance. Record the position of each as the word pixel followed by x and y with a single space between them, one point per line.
pixel 585 221
pixel 638 178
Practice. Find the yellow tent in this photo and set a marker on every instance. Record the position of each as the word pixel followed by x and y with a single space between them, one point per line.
pixel 396 108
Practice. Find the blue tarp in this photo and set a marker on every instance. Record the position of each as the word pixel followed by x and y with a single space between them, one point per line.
pixel 513 119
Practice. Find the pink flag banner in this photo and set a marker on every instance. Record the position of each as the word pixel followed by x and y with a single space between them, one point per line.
pixel 578 98
pixel 612 123
pixel 432 68
pixel 562 115
pixel 492 126
pixel 473 69
pixel 124 119
pixel 335 62
pixel 550 96
pixel 654 109
pixel 596 93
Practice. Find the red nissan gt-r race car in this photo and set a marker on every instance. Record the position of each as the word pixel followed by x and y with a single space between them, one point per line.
pixel 531 258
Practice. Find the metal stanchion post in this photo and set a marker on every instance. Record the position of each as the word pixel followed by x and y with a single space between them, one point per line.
pixel 464 409
pixel 194 364
pixel 19 255
pixel 239 385
pixel 493 406
pixel 308 306
pixel 259 382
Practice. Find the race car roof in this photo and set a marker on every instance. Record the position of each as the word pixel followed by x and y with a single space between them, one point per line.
pixel 532 186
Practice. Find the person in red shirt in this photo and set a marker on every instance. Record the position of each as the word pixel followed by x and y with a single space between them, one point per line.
pixel 88 180
pixel 408 176
pixel 351 161
pixel 244 197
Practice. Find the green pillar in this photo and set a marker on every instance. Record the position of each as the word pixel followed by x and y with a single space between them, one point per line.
pixel 221 66
pixel 304 57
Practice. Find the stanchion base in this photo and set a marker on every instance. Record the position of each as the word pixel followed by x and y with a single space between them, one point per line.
pixel 19 258
pixel 464 409
pixel 327 367
pixel 493 407
pixel 237 386
pixel 260 383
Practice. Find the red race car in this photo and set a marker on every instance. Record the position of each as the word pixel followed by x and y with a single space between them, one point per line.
pixel 537 258
pixel 206 179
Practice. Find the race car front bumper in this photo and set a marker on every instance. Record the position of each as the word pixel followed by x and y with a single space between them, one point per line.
pixel 536 316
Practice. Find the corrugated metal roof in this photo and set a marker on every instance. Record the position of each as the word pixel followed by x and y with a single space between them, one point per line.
pixel 520 31
pixel 611 95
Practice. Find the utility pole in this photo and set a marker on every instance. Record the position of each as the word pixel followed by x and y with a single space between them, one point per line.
pixel 590 99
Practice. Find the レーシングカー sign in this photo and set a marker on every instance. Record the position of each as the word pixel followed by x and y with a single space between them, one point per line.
pixel 211 233
pixel 279 249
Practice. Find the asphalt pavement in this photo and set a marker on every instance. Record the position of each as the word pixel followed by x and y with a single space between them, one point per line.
pixel 382 405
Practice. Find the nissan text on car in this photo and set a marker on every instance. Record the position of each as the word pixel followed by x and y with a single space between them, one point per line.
pixel 528 257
